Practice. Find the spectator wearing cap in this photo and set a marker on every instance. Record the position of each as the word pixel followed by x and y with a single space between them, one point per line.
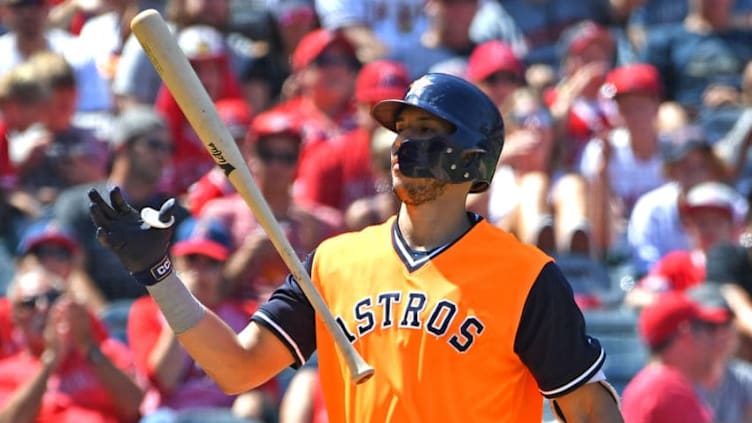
pixel 728 387
pixel 683 337
pixel 142 148
pixel 701 56
pixel 729 265
pixel 708 216
pixel 580 113
pixel 30 34
pixel 654 228
pixel 200 251
pixel 48 244
pixel 68 369
pixel 445 43
pixel 236 115
pixel 255 269
pixel 341 174
pixel 496 70
pixel 324 71
pixel 207 53
pixel 627 161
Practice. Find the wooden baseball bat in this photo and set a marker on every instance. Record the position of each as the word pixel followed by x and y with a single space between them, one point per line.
pixel 176 72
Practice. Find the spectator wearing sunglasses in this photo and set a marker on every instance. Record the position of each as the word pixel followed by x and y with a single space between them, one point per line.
pixel 68 368
pixel 342 174
pixel 321 88
pixel 48 244
pixel 142 148
pixel 255 269
pixel 179 385
pixel 236 115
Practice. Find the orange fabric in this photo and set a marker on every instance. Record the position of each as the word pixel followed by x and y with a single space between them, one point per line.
pixel 455 366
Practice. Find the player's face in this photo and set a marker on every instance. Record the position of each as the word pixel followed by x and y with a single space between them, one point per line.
pixel 416 124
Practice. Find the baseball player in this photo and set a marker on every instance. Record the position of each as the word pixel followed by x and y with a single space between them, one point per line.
pixel 461 321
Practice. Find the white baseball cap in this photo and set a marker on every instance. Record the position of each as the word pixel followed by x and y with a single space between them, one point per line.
pixel 201 42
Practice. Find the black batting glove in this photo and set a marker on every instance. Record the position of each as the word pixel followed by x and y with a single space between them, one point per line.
pixel 139 240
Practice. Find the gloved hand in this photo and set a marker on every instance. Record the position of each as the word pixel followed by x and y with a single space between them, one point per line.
pixel 141 246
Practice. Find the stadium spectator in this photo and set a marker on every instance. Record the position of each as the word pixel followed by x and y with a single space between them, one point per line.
pixel 654 228
pixel 708 216
pixel 324 72
pixel 180 385
pixel 684 338
pixel 580 112
pixel 627 161
pixel 699 55
pixel 527 197
pixel 236 115
pixel 29 34
pixel 136 81
pixel 72 154
pixel 47 244
pixel 255 269
pixel 142 147
pixel 207 53
pixel 68 370
pixel 265 76
pixel 539 23
pixel 23 100
pixel 340 174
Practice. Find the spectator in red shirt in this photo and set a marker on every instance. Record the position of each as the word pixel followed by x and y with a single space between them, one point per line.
pixel 255 268
pixel 236 115
pixel 708 216
pixel 180 385
pixel 341 173
pixel 324 71
pixel 683 337
pixel 207 52
pixel 68 370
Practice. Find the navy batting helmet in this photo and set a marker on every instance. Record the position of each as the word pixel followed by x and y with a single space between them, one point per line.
pixel 470 152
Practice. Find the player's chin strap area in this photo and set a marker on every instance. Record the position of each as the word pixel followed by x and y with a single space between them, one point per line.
pixel 556 411
pixel 437 158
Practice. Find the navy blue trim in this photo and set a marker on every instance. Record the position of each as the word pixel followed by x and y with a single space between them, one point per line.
pixel 415 259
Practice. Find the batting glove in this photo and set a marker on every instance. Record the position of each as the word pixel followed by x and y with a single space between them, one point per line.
pixel 139 240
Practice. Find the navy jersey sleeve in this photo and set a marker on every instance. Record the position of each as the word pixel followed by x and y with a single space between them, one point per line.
pixel 551 338
pixel 290 316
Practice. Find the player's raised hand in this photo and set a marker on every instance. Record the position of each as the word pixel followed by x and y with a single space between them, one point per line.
pixel 140 240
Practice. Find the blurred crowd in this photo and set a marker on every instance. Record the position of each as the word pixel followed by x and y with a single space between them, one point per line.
pixel 626 158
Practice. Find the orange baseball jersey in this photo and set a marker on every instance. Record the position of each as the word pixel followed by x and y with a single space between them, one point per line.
pixel 451 333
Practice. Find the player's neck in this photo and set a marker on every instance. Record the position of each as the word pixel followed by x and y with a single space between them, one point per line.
pixel 432 225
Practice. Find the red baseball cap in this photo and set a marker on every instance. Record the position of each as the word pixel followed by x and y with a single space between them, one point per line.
pixel 314 43
pixel 638 78
pixel 491 57
pixel 235 114
pixel 661 319
pixel 276 121
pixel 381 80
